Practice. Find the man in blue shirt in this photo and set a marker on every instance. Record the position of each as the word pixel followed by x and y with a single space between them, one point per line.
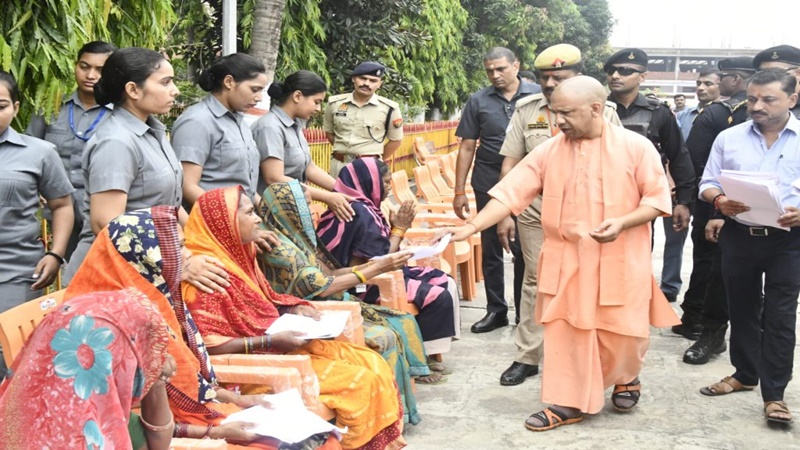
pixel 707 91
pixel 762 335
pixel 486 117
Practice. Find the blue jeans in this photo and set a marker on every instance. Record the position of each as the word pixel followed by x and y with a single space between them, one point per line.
pixel 673 257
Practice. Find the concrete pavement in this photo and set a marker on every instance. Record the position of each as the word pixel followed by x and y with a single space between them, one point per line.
pixel 473 411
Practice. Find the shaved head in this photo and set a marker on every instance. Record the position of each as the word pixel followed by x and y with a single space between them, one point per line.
pixel 578 103
pixel 582 88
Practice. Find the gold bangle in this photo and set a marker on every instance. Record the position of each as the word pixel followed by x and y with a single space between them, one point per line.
pixel 246 349
pixel 399 233
pixel 360 276
pixel 158 428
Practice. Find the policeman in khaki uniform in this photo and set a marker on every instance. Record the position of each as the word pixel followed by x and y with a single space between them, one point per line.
pixel 783 57
pixel 359 123
pixel 532 124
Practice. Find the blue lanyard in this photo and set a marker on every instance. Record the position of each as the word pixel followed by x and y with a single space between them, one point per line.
pixel 84 135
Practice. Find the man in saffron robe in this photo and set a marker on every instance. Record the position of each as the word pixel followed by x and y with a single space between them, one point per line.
pixel 601 187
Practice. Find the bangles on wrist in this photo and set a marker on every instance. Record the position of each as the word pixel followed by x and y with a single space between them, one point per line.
pixel 361 277
pixel 399 231
pixel 158 428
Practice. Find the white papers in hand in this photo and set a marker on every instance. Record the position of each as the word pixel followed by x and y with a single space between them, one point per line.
pixel 421 252
pixel 287 420
pixel 757 190
pixel 330 325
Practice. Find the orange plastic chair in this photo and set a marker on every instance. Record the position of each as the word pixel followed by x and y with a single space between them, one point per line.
pixel 424 152
pixel 393 292
pixel 18 323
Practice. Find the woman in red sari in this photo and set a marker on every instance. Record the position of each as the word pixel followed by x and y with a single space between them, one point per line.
pixel 82 370
pixel 354 381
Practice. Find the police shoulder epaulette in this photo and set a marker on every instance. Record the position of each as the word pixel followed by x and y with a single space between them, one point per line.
pixel 528 99
pixel 336 98
pixel 611 105
pixel 388 102
pixel 738 105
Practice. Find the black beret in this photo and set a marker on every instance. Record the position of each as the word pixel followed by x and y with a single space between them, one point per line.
pixel 743 63
pixel 369 68
pixel 627 56
pixel 781 53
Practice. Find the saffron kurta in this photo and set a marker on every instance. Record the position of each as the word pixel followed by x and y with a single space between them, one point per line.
pixel 592 286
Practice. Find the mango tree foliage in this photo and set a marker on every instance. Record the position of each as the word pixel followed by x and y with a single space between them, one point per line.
pixel 39 41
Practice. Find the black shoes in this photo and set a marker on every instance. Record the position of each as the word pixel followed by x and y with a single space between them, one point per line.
pixel 490 321
pixel 688 330
pixel 711 342
pixel 517 373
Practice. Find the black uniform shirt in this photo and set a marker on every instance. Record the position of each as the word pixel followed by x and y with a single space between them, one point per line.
pixel 711 121
pixel 664 132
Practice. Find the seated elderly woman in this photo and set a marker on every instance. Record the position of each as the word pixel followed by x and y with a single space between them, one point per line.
pixel 82 370
pixel 142 249
pixel 301 267
pixel 369 234
pixel 354 381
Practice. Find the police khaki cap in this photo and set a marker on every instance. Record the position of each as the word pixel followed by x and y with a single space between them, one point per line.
pixel 781 53
pixel 557 57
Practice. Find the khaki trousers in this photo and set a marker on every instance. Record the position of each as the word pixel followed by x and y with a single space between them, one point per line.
pixel 529 336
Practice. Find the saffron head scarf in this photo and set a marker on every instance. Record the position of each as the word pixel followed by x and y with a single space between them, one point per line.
pixel 81 371
pixel 247 307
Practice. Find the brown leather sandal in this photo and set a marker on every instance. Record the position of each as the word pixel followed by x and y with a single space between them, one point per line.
pixel 551 418
pixel 772 408
pixel 727 385
pixel 626 392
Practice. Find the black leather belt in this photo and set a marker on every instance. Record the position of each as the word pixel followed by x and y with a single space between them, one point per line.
pixel 758 231
pixel 341 156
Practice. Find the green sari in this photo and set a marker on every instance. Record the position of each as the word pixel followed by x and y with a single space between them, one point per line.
pixel 294 268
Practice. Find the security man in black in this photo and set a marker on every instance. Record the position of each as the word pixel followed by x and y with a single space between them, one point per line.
pixel 783 57
pixel 625 71
pixel 705 308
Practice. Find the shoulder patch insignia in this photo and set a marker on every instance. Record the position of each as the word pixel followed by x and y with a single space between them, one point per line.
pixel 541 122
pixel 397 122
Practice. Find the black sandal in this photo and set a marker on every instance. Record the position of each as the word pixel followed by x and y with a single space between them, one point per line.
pixel 626 392
pixel 551 418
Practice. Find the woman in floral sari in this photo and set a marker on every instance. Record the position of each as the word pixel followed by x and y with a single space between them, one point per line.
pixel 369 234
pixel 142 249
pixel 354 381
pixel 301 267
pixel 82 370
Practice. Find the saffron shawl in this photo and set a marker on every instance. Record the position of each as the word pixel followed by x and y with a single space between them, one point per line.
pixel 81 371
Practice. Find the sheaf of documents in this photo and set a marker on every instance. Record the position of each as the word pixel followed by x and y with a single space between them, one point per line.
pixel 330 325
pixel 757 190
pixel 287 419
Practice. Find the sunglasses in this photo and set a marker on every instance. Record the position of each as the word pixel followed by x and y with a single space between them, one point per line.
pixel 624 71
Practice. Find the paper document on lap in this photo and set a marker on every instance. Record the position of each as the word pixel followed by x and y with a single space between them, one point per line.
pixel 330 325
pixel 287 420
pixel 757 190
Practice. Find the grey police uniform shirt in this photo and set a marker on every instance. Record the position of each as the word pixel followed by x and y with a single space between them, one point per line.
pixel 211 136
pixel 30 167
pixel 279 136
pixel 67 139
pixel 132 156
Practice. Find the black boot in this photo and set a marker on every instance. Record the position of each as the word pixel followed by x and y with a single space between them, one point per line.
pixel 690 327
pixel 711 342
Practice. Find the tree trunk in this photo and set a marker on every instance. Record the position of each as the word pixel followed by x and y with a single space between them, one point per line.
pixel 266 35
